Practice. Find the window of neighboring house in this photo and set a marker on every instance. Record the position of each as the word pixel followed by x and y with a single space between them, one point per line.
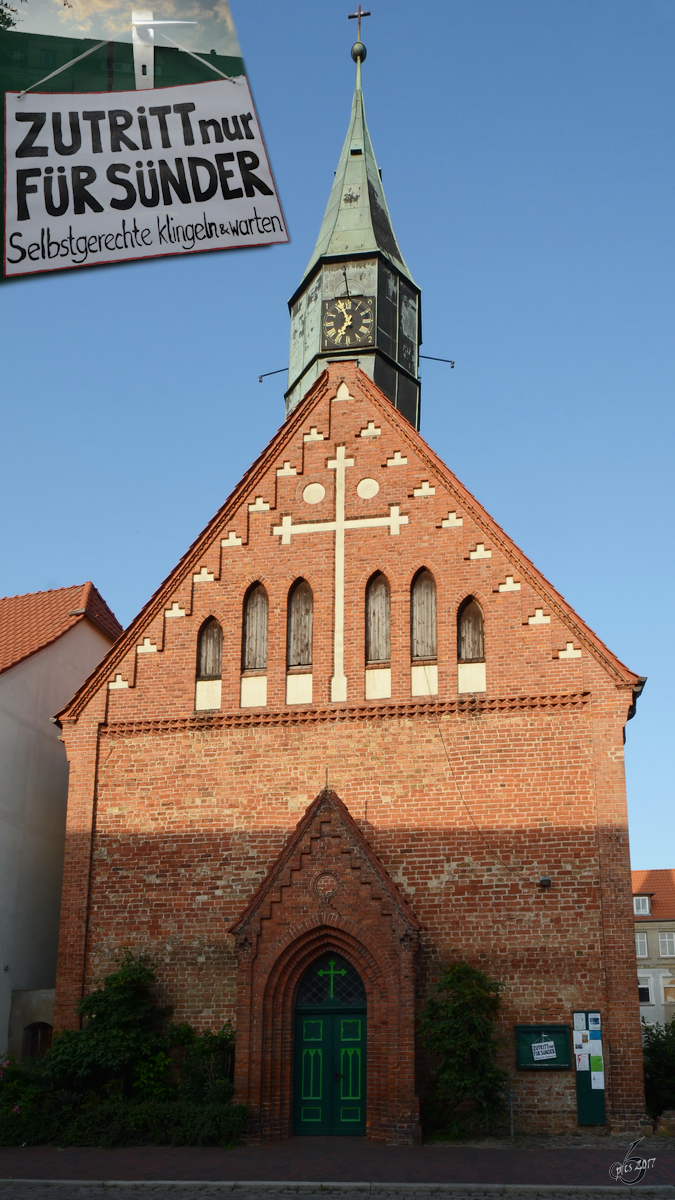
pixel 641 948
pixel 641 906
pixel 378 620
pixel 423 616
pixel 667 945
pixel 256 606
pixel 300 623
pixel 645 989
pixel 669 990
pixel 36 1041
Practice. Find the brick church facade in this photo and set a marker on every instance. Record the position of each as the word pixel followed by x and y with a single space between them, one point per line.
pixel 356 727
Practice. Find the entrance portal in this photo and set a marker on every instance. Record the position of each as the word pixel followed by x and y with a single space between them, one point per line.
pixel 329 1085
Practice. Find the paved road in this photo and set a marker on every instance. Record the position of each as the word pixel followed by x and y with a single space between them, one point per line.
pixel 77 1190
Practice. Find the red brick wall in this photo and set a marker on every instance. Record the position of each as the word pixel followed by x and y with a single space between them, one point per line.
pixel 466 801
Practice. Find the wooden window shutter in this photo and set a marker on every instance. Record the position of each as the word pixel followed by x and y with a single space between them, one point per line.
pixel 470 635
pixel 378 620
pixel 210 653
pixel 423 616
pixel 256 607
pixel 300 621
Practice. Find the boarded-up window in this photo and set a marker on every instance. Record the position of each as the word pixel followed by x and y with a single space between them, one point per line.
pixel 210 650
pixel 378 620
pixel 300 618
pixel 423 616
pixel 470 639
pixel 254 656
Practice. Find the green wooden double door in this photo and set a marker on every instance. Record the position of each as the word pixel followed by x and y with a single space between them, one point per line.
pixel 329 1086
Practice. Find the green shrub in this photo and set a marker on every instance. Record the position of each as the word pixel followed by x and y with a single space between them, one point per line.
pixel 457 1025
pixel 659 1064
pixel 128 1076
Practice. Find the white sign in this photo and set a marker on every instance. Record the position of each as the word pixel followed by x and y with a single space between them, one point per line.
pixel 582 1041
pixel 582 1062
pixel 597 1081
pixel 113 176
pixel 543 1050
pixel 594 1020
pixel 579 1020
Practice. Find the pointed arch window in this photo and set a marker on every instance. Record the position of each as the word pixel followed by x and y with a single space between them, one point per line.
pixel 378 620
pixel 256 609
pixel 423 615
pixel 209 665
pixel 470 632
pixel 300 624
pixel 210 653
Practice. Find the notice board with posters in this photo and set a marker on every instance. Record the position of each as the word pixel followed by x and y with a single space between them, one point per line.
pixel 543 1048
pixel 589 1062
pixel 128 133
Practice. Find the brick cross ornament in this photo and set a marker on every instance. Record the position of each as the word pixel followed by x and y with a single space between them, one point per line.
pixel 339 464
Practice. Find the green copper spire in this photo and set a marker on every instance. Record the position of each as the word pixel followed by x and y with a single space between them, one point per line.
pixel 357 219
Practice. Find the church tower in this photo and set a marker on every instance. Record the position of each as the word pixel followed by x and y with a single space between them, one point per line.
pixel 357 297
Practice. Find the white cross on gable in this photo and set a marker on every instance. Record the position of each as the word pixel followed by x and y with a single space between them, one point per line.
pixel 288 529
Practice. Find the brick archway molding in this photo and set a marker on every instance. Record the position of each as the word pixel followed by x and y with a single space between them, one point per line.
pixel 288 926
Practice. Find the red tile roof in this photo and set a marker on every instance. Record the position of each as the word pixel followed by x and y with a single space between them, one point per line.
pixel 29 623
pixel 661 886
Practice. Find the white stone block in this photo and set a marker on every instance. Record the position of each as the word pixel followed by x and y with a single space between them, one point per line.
pixel 425 490
pixel 424 680
pixel 148 647
pixel 452 521
pixel 539 618
pixel 378 683
pixel 253 691
pixel 343 392
pixel 287 469
pixel 371 431
pixel 260 505
pixel 207 694
pixel 480 552
pixel 118 682
pixel 471 677
pixel 298 689
pixel 569 652
pixel 204 576
pixel 175 610
pixel 313 435
pixel 231 539
pixel 509 586
pixel 399 460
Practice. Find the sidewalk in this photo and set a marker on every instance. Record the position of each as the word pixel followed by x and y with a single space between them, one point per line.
pixel 355 1160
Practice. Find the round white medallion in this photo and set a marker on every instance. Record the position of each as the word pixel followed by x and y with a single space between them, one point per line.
pixel 314 493
pixel 368 488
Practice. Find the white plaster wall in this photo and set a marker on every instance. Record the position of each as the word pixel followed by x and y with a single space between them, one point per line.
pixel 33 794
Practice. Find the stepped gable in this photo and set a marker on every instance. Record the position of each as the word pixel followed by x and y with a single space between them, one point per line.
pixel 326 804
pixel 34 620
pixel 261 477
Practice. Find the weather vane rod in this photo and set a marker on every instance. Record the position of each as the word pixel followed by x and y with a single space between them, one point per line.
pixel 357 17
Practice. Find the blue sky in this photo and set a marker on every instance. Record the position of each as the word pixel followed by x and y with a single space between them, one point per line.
pixel 526 150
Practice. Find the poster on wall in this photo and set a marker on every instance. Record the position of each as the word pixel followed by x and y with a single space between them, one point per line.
pixel 128 134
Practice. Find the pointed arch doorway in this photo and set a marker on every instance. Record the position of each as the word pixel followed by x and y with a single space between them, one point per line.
pixel 329 1075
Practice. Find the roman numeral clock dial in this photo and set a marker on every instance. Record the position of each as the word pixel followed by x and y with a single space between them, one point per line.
pixel 349 321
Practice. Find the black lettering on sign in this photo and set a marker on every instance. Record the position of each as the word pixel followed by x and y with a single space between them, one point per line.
pixel 54 209
pixel 95 118
pixel 204 127
pixel 246 119
pixel 169 180
pixel 80 177
pixel 248 162
pixel 211 188
pixel 185 110
pixel 161 113
pixel 152 200
pixel 23 189
pixel 119 120
pixel 236 134
pixel 228 193
pixel 22 252
pixel 145 132
pixel 112 174
pixel 28 149
pixel 75 135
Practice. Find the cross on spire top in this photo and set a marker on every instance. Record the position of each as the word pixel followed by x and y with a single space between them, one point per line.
pixel 357 17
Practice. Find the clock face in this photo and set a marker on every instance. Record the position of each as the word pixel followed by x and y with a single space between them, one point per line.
pixel 349 321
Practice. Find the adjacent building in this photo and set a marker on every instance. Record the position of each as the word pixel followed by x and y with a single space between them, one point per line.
pixel 654 916
pixel 49 643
